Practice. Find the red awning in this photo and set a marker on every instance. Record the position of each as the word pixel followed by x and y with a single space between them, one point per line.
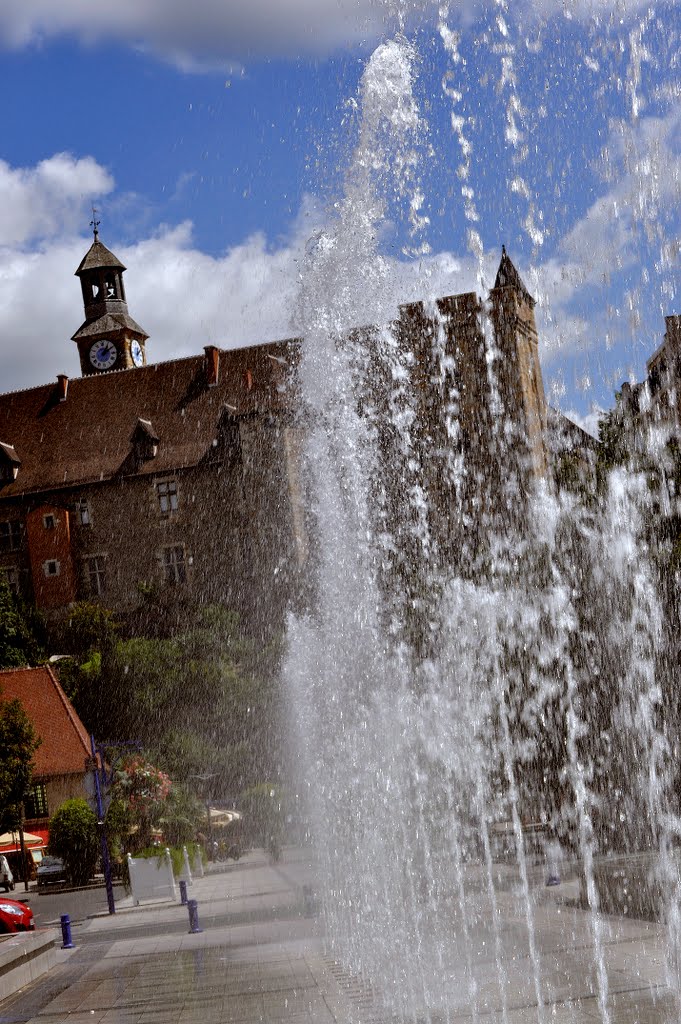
pixel 36 839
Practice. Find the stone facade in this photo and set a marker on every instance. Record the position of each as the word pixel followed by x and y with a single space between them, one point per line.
pixel 185 477
pixel 661 403
pixel 103 510
pixel 650 411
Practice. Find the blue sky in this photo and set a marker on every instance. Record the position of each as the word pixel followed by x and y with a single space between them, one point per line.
pixel 213 138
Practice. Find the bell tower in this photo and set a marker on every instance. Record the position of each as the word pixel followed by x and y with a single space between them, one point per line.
pixel 519 371
pixel 109 339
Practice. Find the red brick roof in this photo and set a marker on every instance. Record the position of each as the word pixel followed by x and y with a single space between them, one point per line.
pixel 65 743
pixel 87 436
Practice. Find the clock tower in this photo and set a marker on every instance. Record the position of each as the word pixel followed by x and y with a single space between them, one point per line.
pixel 109 339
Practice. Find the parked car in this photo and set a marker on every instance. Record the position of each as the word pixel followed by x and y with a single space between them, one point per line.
pixel 15 917
pixel 51 869
pixel 6 876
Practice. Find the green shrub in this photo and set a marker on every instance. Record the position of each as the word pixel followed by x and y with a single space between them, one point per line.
pixel 176 855
pixel 74 838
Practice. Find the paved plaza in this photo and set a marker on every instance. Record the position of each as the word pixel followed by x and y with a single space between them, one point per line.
pixel 261 959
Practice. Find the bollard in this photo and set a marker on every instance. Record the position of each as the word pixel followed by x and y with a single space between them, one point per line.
pixel 193 908
pixel 67 942
pixel 183 893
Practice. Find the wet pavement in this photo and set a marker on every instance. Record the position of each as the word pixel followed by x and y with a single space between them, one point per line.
pixel 260 959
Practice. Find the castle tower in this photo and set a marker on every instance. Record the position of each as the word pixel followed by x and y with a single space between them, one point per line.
pixel 519 370
pixel 109 339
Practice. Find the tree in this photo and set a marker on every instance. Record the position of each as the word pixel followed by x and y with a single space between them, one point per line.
pixel 74 838
pixel 19 631
pixel 89 637
pixel 89 628
pixel 203 698
pixel 18 743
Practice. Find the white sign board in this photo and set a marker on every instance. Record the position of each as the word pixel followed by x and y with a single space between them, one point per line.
pixel 151 878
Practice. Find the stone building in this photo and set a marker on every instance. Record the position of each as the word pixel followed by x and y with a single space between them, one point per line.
pixel 656 401
pixel 185 476
pixel 133 477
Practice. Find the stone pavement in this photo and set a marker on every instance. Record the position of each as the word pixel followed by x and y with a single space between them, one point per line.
pixel 261 959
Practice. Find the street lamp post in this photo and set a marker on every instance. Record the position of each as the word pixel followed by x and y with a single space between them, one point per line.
pixel 97 766
pixel 106 860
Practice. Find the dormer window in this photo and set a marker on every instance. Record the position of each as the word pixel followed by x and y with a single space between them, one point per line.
pixel 9 463
pixel 49 522
pixel 144 441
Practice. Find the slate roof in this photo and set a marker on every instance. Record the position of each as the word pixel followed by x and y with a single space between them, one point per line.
pixel 108 323
pixel 65 743
pixel 508 276
pixel 98 256
pixel 87 437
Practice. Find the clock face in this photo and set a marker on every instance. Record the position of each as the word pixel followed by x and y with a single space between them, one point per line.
pixel 103 354
pixel 136 353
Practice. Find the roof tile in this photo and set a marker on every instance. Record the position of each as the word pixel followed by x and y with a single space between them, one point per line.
pixel 98 256
pixel 64 738
pixel 87 437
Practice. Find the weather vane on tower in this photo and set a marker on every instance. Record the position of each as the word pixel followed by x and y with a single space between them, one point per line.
pixel 94 223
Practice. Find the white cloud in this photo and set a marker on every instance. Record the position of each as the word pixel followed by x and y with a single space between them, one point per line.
pixel 49 198
pixel 203 29
pixel 211 34
pixel 644 164
pixel 183 297
pixel 588 422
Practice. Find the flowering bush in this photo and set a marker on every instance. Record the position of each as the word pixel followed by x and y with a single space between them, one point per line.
pixel 141 786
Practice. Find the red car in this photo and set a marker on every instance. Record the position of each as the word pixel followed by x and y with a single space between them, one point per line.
pixel 15 917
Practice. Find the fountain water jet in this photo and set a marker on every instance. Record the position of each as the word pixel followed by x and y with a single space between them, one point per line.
pixel 445 696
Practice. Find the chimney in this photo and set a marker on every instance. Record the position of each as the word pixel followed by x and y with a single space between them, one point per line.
pixel 62 386
pixel 212 364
